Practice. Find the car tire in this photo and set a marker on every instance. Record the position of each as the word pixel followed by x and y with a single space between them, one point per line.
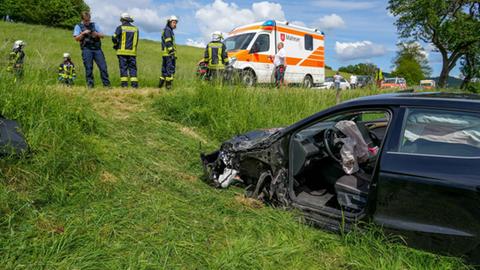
pixel 307 82
pixel 248 78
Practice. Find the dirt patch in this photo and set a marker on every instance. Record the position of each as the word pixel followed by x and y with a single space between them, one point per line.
pixel 106 177
pixel 191 133
pixel 49 225
pixel 249 202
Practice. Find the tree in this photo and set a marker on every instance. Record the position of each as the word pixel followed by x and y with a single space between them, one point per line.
pixel 450 25
pixel 57 13
pixel 360 69
pixel 411 63
pixel 470 68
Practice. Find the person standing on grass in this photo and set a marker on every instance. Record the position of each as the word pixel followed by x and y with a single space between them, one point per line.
pixel 337 79
pixel 169 50
pixel 16 60
pixel 89 35
pixel 379 78
pixel 66 71
pixel 353 81
pixel 216 57
pixel 279 63
pixel 125 41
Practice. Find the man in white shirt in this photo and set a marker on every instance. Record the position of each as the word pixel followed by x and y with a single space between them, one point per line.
pixel 353 81
pixel 279 63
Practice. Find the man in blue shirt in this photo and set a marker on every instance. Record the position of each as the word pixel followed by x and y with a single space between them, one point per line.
pixel 89 35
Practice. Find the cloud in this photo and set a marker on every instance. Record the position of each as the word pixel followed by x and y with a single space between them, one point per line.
pixel 195 43
pixel 346 5
pixel 149 15
pixel 268 10
pixel 329 22
pixel 223 16
pixel 299 23
pixel 358 50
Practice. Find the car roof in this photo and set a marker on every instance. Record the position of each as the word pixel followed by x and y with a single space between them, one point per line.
pixel 460 101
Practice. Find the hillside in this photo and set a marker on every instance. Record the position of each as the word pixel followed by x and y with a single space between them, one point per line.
pixel 113 180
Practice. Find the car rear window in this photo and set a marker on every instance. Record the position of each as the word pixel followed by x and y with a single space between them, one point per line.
pixel 446 133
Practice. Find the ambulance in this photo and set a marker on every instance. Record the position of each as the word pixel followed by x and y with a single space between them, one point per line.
pixel 251 47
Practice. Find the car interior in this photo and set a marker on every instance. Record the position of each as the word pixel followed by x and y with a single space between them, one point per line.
pixel 319 176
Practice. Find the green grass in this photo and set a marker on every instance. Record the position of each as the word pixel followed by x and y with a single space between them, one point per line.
pixel 113 180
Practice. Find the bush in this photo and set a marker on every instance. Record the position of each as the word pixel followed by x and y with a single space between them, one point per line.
pixel 57 13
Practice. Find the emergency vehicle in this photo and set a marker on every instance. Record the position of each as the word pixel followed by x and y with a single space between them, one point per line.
pixel 251 47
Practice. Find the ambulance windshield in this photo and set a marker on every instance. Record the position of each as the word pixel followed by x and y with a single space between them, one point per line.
pixel 239 42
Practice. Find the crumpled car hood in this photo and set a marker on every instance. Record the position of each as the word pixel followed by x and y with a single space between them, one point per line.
pixel 249 140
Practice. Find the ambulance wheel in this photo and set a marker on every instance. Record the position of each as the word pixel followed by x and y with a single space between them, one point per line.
pixel 307 82
pixel 248 78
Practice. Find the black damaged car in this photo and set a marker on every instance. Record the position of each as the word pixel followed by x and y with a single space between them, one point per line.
pixel 407 162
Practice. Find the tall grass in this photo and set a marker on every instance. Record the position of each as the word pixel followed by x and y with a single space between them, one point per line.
pixel 112 179
pixel 225 111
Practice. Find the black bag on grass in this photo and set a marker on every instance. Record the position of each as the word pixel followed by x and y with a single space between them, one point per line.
pixel 12 141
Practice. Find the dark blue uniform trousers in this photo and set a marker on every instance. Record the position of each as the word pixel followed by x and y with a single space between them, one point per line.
pixel 168 68
pixel 128 68
pixel 89 56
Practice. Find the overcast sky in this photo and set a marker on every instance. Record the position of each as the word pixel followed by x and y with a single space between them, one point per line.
pixel 356 31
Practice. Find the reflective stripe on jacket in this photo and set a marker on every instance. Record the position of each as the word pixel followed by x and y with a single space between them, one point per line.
pixel 15 60
pixel 168 42
pixel 216 55
pixel 66 71
pixel 125 39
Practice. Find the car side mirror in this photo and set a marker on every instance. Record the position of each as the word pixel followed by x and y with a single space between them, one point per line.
pixel 254 49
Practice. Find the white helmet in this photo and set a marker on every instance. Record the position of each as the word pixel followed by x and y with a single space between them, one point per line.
pixel 18 44
pixel 66 55
pixel 172 18
pixel 126 17
pixel 217 36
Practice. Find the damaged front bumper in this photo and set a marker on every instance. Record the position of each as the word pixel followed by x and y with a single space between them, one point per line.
pixel 254 160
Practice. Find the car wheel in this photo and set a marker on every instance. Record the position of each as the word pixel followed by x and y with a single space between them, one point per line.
pixel 248 78
pixel 307 82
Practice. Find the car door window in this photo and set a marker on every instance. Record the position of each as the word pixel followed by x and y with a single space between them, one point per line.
pixel 439 132
pixel 262 44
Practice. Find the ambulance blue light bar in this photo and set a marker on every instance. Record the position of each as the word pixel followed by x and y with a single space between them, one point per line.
pixel 269 23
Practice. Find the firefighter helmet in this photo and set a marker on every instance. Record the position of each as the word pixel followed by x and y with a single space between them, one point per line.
pixel 172 18
pixel 66 55
pixel 217 36
pixel 18 44
pixel 126 17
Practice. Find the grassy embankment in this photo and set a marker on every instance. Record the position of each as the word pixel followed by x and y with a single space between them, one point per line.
pixel 113 178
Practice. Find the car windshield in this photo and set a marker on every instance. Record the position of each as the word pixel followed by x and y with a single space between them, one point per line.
pixel 390 81
pixel 329 79
pixel 239 42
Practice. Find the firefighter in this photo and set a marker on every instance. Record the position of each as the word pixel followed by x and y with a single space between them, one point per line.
pixel 125 41
pixel 16 59
pixel 379 77
pixel 168 53
pixel 66 71
pixel 216 56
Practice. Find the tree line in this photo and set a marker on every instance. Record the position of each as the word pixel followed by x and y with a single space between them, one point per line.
pixel 56 13
pixel 451 27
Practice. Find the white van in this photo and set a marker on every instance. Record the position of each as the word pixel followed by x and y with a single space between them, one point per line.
pixel 251 45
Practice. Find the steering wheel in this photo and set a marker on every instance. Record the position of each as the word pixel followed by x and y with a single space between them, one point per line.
pixel 329 136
